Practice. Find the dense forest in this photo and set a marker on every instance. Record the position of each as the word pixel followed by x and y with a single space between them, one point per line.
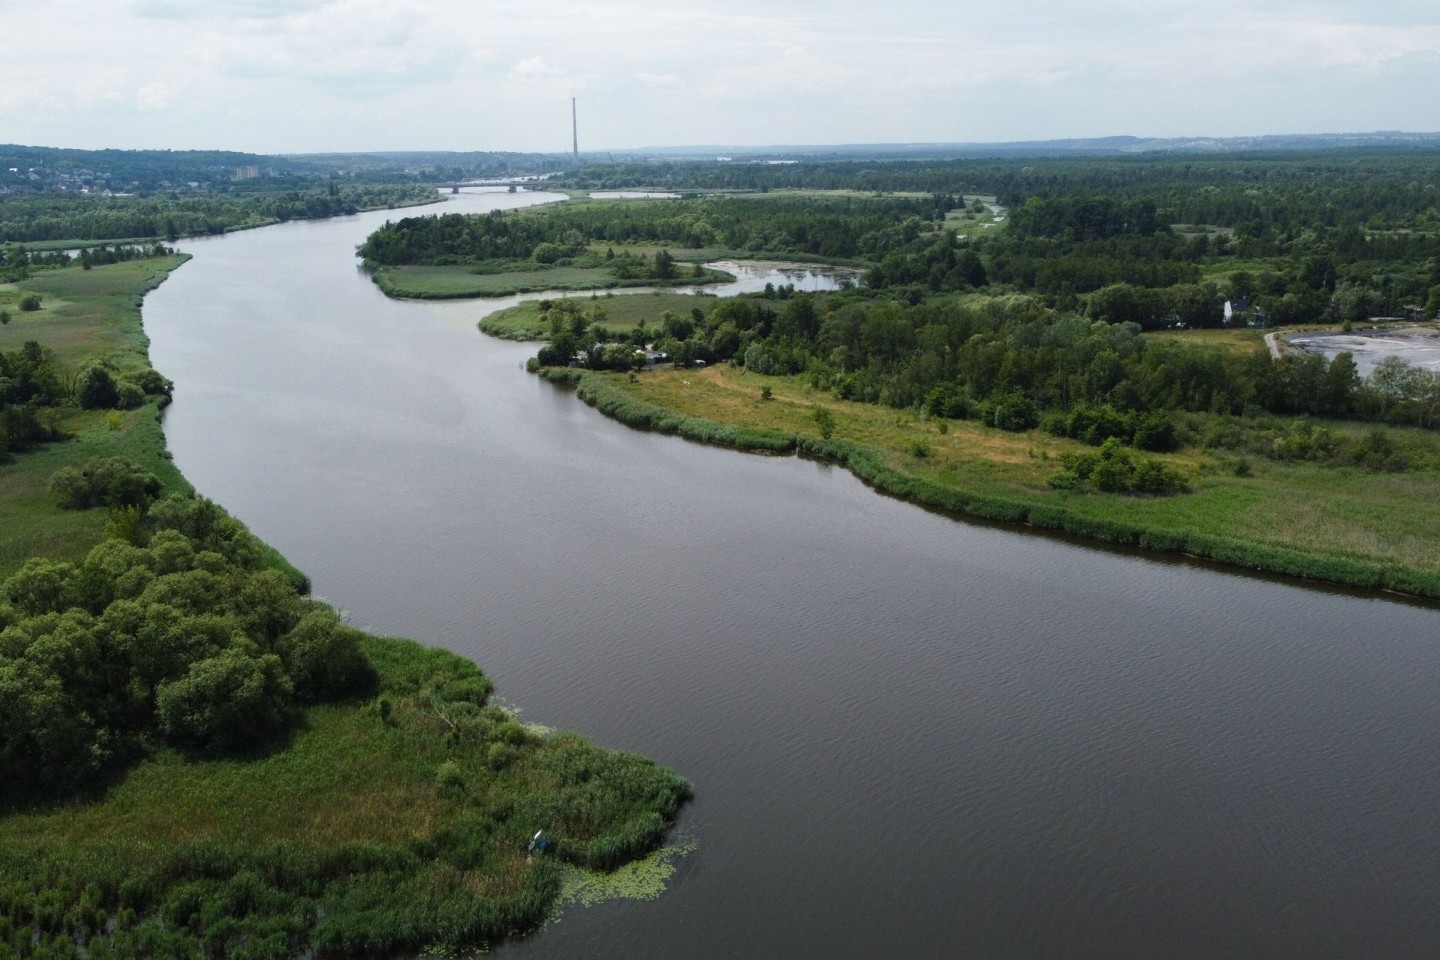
pixel 1283 189
pixel 174 640
pixel 1010 362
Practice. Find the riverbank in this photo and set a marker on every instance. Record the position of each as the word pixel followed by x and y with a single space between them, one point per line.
pixel 463 283
pixel 622 315
pixel 394 822
pixel 1337 525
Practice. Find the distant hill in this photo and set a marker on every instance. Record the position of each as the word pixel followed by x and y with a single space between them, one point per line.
pixel 1088 146
pixel 31 169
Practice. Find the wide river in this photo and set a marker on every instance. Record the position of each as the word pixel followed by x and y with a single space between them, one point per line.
pixel 909 736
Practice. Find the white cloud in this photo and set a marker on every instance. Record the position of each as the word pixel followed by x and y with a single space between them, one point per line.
pixel 533 69
pixel 295 75
pixel 155 95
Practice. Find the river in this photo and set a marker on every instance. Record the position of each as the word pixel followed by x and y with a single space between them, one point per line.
pixel 909 736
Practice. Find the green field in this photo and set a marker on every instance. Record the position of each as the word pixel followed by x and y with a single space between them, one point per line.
pixel 1239 340
pixel 84 313
pixel 623 313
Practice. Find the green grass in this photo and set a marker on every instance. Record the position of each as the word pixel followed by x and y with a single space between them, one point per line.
pixel 371 832
pixel 84 314
pixel 623 313
pixel 1220 270
pixel 1235 340
pixel 42 246
pixel 1342 525
pixel 459 282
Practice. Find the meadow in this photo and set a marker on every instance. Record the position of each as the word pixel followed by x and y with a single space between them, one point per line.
pixel 84 314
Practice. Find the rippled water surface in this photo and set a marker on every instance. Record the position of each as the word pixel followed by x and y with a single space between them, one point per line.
pixel 909 736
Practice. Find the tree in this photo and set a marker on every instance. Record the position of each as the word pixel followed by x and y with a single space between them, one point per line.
pixel 323 659
pixel 47 744
pixel 825 422
pixel 98 390
pixel 40 586
pixel 108 482
pixel 1341 381
pixel 226 703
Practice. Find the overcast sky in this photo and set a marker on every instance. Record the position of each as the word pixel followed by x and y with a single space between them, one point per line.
pixel 302 76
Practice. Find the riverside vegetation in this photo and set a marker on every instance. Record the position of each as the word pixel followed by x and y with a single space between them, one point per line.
pixel 584 245
pixel 1071 366
pixel 196 758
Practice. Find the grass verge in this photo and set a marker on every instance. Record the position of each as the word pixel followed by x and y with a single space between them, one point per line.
pixel 1338 525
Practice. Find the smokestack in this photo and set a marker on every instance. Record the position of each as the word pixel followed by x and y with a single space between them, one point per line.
pixel 574 132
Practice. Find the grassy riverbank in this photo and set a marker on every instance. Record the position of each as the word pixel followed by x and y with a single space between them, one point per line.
pixel 622 315
pixel 394 822
pixel 393 825
pixel 1340 525
pixel 463 283
pixel 84 314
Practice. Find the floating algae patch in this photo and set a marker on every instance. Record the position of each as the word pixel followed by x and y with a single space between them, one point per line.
pixel 643 879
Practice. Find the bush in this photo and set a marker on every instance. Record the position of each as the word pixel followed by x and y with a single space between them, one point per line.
pixel 109 482
pixel 947 400
pixel 152 382
pixel 1011 411
pixel 226 703
pixel 324 659
pixel 128 395
pixel 98 390
pixel 824 422
pixel 1114 470
pixel 30 303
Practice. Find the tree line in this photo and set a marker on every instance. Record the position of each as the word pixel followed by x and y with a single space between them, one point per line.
pixel 1011 362
pixel 843 228
pixel 52 217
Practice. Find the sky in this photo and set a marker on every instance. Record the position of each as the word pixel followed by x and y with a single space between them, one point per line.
pixel 310 76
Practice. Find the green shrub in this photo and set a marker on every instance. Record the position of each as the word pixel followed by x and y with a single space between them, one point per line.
pixel 1114 470
pixel 824 422
pixel 225 703
pixel 323 659
pixel 108 482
